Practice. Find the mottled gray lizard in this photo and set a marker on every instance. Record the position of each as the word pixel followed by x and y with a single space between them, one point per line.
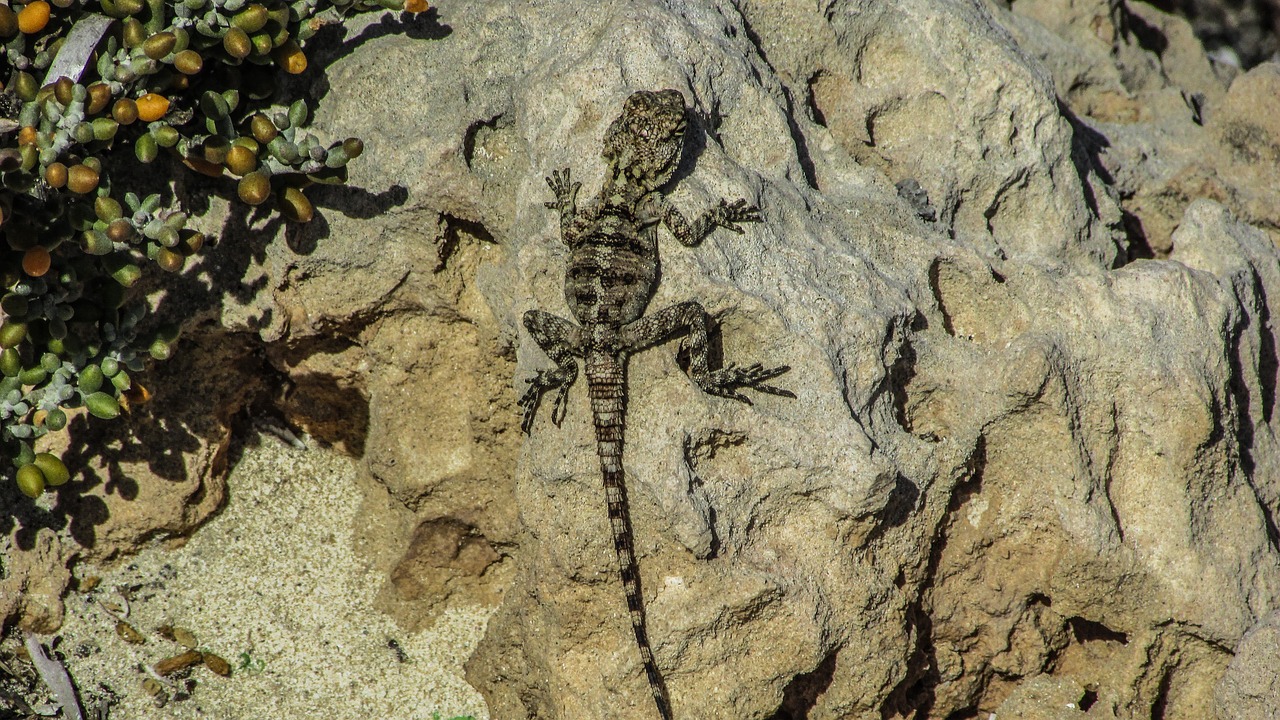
pixel 613 272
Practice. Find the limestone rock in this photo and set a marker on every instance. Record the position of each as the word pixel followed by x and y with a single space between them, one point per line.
pixel 1244 32
pixel 157 472
pixel 1049 698
pixel 1020 465
pixel 33 576
pixel 1251 684
pixel 1157 116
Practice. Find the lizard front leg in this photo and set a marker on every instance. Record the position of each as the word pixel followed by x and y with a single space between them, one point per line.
pixel 566 203
pixel 725 382
pixel 726 215
pixel 561 340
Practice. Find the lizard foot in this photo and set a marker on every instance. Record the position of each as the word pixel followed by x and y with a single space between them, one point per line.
pixel 728 215
pixel 562 378
pixel 566 193
pixel 726 381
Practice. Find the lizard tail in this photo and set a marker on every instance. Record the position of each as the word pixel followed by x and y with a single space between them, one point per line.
pixel 605 386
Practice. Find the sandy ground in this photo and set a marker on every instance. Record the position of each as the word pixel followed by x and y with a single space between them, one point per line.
pixel 273 586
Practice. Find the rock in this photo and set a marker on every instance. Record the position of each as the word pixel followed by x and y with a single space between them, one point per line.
pixel 1019 462
pixel 1139 89
pixel 1004 395
pixel 1049 698
pixel 157 472
pixel 1247 131
pixel 1165 122
pixel 163 470
pixel 33 576
pixel 1242 32
pixel 919 90
pixel 1251 684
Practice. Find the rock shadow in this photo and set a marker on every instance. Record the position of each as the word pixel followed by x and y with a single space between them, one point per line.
pixel 801 694
pixel 914 696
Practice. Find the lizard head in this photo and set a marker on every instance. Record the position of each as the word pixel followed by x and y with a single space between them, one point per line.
pixel 645 142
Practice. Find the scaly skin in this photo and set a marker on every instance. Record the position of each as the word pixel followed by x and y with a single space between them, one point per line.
pixel 613 272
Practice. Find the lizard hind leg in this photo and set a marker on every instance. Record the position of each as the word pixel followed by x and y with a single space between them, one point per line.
pixel 561 377
pixel 724 382
pixel 561 340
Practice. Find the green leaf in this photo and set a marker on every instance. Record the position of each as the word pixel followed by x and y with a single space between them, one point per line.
pixel 102 405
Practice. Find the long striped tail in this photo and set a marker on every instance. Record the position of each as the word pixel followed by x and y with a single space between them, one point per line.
pixel 608 408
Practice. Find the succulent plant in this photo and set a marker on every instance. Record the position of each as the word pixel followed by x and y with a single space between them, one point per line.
pixel 92 87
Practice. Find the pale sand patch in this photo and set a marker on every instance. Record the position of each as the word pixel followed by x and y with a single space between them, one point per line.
pixel 274 575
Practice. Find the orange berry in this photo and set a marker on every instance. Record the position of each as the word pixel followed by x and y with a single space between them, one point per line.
pixel 56 174
pixel 170 261
pixel 36 261
pixel 125 111
pixel 135 395
pixel 33 17
pixel 27 136
pixel 254 188
pixel 188 62
pixel 240 160
pixel 82 179
pixel 290 57
pixel 295 206
pixel 119 230
pixel 152 107
pixel 236 43
pixel 99 96
pixel 415 6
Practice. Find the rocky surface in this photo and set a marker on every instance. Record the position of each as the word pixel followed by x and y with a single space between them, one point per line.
pixel 158 475
pixel 277 585
pixel 1252 682
pixel 1020 258
pixel 1241 31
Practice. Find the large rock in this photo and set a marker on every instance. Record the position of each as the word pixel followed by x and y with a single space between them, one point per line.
pixel 1249 688
pixel 1014 455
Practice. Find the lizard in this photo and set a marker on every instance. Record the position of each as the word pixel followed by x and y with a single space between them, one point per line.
pixel 612 274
